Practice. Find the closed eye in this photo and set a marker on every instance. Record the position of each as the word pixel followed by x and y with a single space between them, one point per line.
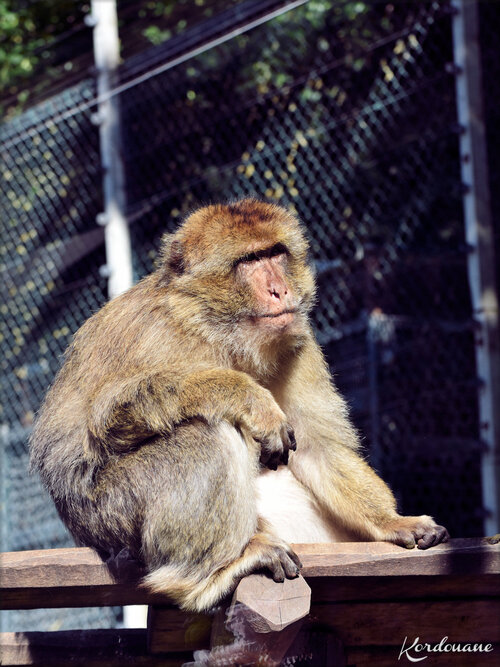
pixel 274 251
pixel 251 257
pixel 278 249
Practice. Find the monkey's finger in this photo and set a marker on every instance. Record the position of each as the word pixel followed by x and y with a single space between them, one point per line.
pixel 291 554
pixel 276 569
pixel 268 457
pixel 272 460
pixel 291 570
pixel 288 442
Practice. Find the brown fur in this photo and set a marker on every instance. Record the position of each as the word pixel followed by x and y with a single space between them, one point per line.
pixel 174 394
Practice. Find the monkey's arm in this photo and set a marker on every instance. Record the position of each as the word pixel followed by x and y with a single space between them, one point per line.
pixel 124 415
pixel 328 462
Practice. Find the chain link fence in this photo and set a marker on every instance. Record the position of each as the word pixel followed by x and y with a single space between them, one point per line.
pixel 50 194
pixel 344 112
pixel 489 25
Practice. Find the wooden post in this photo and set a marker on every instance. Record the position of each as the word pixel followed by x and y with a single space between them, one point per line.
pixel 480 237
pixel 269 606
pixel 262 618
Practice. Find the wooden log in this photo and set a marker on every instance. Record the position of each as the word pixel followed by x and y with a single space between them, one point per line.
pixel 259 605
pixel 260 622
pixel 269 606
pixel 79 578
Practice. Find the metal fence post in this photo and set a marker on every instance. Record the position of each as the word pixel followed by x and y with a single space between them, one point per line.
pixel 103 19
pixel 479 236
pixel 118 269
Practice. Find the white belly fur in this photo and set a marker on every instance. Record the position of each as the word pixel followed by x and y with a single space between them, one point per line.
pixel 293 512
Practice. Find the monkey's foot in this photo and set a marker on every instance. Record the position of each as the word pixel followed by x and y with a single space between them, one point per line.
pixel 421 531
pixel 267 552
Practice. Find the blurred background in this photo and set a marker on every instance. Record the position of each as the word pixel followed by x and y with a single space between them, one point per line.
pixel 377 122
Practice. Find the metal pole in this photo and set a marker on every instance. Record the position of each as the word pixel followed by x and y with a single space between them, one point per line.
pixel 118 269
pixel 479 236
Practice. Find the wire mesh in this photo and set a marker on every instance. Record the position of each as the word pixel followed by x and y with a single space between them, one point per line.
pixel 51 251
pixel 345 112
pixel 489 24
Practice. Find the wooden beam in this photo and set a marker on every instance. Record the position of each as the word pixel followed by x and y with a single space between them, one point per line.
pixel 388 656
pixel 79 578
pixel 368 559
pixel 388 622
pixel 83 648
pixel 51 578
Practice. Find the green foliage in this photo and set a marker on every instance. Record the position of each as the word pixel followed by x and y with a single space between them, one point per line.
pixel 18 45
pixel 34 38
pixel 155 35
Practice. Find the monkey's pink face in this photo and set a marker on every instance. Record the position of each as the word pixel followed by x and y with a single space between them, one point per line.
pixel 264 275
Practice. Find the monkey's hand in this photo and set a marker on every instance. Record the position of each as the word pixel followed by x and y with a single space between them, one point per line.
pixel 275 451
pixel 266 423
pixel 421 531
pixel 224 394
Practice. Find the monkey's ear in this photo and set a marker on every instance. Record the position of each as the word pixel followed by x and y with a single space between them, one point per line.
pixel 171 259
pixel 176 258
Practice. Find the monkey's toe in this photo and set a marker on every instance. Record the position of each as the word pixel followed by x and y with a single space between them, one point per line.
pixel 432 537
pixel 277 571
pixel 281 563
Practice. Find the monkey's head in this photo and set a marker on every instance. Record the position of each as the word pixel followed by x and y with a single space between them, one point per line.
pixel 240 270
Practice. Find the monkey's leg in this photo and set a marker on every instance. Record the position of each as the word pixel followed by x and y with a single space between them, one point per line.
pixel 357 499
pixel 201 531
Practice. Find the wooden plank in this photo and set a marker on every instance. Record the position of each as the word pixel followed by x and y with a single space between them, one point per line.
pixel 387 656
pixel 172 630
pixel 361 559
pixel 92 648
pixel 75 577
pixel 343 589
pixel 388 623
pixel 78 577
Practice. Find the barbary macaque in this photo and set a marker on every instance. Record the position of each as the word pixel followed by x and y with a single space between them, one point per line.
pixel 195 423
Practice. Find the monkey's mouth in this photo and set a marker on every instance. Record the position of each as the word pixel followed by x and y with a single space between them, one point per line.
pixel 281 319
pixel 288 311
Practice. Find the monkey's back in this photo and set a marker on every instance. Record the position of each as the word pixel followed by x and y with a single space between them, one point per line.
pixel 128 337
